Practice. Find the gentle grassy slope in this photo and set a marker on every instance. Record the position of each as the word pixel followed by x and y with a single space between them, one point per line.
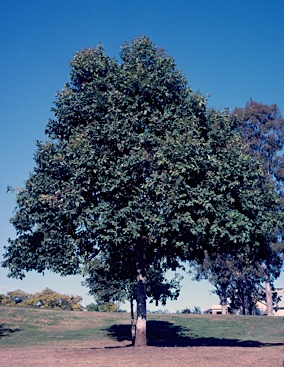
pixel 31 327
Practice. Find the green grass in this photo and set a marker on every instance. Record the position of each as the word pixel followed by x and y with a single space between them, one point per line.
pixel 225 330
pixel 27 326
pixel 22 327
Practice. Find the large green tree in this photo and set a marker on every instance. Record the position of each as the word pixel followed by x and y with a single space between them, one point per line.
pixel 129 172
pixel 114 170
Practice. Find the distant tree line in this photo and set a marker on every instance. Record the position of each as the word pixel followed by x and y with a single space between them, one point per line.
pixel 45 299
pixel 195 310
pixel 101 306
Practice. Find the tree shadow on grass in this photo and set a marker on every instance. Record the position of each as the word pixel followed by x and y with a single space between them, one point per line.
pixel 166 334
pixel 4 332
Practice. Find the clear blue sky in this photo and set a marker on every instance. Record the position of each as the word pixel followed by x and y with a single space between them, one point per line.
pixel 230 49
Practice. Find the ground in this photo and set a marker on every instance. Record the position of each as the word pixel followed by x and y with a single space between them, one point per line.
pixel 120 354
pixel 49 338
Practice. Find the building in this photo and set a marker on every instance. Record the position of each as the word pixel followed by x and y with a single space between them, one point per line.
pixel 280 309
pixel 213 310
pixel 259 310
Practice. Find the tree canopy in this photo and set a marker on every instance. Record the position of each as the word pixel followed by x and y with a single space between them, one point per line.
pixel 260 128
pixel 137 172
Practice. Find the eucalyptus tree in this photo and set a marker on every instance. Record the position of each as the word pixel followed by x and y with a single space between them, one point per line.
pixel 241 202
pixel 237 281
pixel 261 128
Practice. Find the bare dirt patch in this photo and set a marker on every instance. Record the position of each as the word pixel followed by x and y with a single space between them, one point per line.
pixel 109 353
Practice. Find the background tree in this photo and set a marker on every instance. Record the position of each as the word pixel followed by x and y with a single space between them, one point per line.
pixel 238 282
pixel 14 298
pixel 242 197
pixel 262 130
pixel 195 310
pixel 218 271
pixel 52 299
pixel 45 299
pixel 101 306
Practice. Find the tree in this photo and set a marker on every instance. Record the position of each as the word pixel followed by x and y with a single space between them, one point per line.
pixel 107 180
pixel 52 299
pixel 108 287
pixel 14 298
pixel 219 273
pixel 45 299
pixel 129 174
pixel 262 130
pixel 241 198
pixel 238 281
pixel 101 306
pixel 195 310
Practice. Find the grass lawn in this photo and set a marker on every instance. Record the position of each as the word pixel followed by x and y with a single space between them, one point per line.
pixel 23 327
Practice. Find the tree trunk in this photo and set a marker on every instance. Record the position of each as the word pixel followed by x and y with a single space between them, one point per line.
pixel 243 304
pixel 132 321
pixel 268 293
pixel 223 303
pixel 140 337
pixel 246 302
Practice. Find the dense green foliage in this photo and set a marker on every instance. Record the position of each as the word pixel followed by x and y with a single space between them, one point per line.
pixel 107 175
pixel 134 161
pixel 107 286
pixel 261 128
pixel 138 174
pixel 240 278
